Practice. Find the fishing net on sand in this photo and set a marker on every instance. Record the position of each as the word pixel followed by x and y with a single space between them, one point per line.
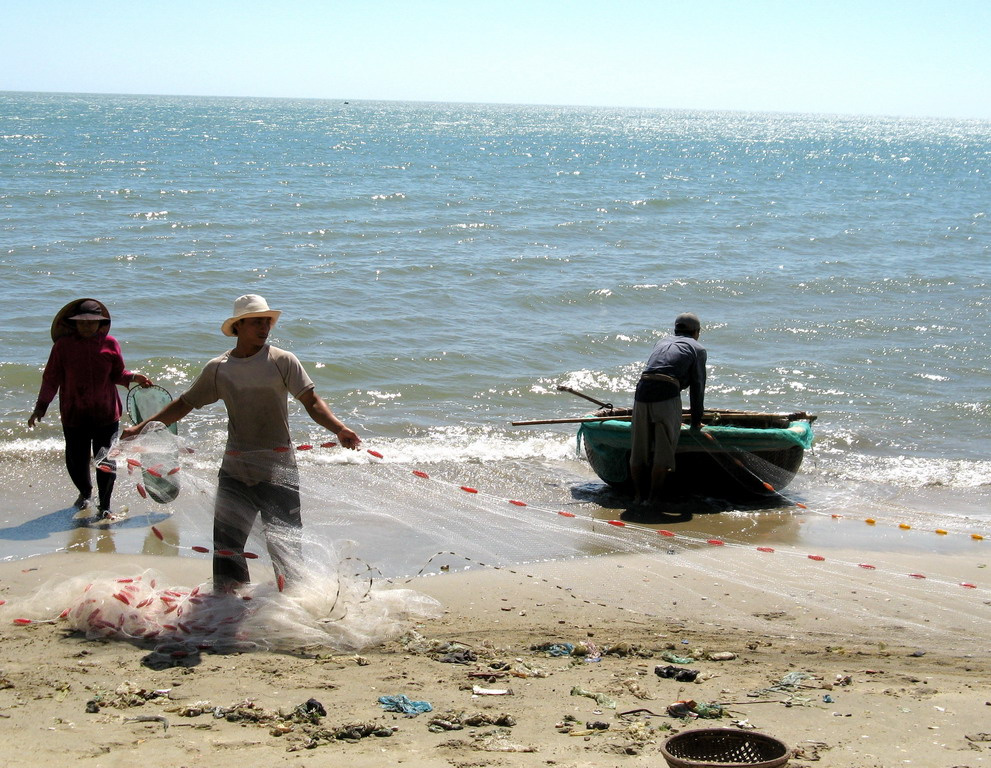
pixel 330 600
pixel 378 522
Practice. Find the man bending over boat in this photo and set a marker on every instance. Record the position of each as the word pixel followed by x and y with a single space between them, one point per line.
pixel 676 363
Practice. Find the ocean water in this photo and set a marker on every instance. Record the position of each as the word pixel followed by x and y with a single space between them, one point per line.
pixel 443 267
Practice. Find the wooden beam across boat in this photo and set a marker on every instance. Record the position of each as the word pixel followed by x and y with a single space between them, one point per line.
pixel 578 420
pixel 720 416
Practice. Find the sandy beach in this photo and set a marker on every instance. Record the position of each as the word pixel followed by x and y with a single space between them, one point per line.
pixel 522 668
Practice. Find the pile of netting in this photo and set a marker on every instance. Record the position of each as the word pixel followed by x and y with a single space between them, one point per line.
pixel 342 614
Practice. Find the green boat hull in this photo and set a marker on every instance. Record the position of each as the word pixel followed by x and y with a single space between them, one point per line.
pixel 724 462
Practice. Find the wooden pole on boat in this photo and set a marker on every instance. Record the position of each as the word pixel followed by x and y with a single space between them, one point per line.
pixel 566 388
pixel 581 420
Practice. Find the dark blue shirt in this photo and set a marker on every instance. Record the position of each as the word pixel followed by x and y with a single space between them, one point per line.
pixel 682 358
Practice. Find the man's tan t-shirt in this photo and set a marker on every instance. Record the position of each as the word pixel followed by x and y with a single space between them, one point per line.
pixel 255 390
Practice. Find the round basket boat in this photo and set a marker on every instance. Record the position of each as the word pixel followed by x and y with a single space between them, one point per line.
pixel 724 748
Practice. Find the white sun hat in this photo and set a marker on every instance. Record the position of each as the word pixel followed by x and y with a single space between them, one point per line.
pixel 250 305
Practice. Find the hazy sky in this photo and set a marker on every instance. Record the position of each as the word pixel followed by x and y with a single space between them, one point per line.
pixel 882 57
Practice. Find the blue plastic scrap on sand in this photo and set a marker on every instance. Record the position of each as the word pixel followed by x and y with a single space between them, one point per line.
pixel 402 703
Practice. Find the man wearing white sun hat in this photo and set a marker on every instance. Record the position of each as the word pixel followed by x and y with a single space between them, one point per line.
pixel 258 473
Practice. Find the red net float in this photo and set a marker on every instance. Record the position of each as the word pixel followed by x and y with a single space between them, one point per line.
pixel 617 523
pixel 566 514
pixel 141 491
pixel 516 503
pixel 133 463
pixel 376 454
pixel 155 471
pixel 198 548
pixel 174 470
pixel 765 549
pixel 917 575
pixel 281 582
pixel 663 532
pixel 250 556
pixel 122 597
pixel 418 473
pixel 867 566
pixel 817 558
pixel 469 489
pixel 225 553
pixel 968 585
pixel 715 542
pixel 158 533
pixel 304 447
pixel 329 444
pixel 22 622
pixel 281 449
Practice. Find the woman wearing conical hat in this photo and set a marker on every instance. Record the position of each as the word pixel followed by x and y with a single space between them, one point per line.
pixel 84 368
